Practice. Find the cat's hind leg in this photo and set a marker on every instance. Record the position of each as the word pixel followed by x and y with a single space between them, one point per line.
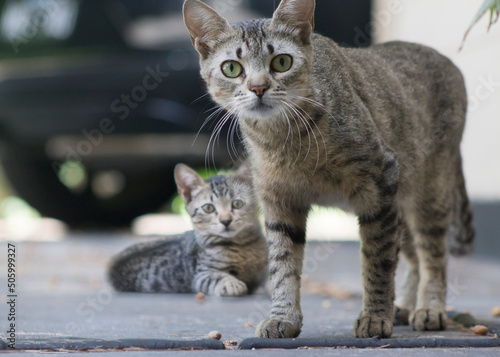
pixel 462 232
pixel 406 302
pixel 430 222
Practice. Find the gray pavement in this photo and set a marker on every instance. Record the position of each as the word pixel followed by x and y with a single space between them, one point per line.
pixel 62 293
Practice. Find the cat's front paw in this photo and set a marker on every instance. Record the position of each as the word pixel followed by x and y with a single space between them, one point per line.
pixel 428 320
pixel 368 326
pixel 277 328
pixel 231 287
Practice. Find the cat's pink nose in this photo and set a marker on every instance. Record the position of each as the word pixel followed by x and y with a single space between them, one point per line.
pixel 259 90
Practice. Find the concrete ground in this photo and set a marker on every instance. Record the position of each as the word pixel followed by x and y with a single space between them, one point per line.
pixel 63 295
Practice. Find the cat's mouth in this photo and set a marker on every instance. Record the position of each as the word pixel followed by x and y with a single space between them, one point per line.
pixel 259 105
pixel 260 109
pixel 229 232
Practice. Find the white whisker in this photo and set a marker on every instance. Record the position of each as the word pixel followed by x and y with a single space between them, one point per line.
pixel 301 117
pixel 218 109
pixel 231 147
pixel 316 104
pixel 199 98
pixel 214 139
pixel 314 135
pixel 287 120
pixel 319 105
pixel 233 109
pixel 295 117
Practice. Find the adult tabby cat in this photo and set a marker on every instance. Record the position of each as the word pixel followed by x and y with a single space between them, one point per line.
pixel 224 255
pixel 377 128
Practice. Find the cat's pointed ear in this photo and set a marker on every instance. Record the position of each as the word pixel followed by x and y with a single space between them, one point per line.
pixel 188 182
pixel 296 14
pixel 204 25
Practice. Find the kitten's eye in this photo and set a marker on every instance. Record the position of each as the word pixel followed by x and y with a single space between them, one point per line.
pixel 238 204
pixel 232 69
pixel 282 63
pixel 209 208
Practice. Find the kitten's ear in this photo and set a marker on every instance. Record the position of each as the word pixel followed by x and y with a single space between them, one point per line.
pixel 204 25
pixel 296 14
pixel 188 182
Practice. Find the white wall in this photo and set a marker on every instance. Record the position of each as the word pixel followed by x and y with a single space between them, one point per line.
pixel 441 24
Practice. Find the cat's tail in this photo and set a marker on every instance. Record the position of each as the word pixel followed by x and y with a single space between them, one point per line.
pixel 122 272
pixel 462 232
pixel 127 269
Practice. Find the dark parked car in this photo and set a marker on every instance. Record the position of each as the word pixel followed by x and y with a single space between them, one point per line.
pixel 100 99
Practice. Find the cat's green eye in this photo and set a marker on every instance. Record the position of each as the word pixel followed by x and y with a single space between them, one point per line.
pixel 238 204
pixel 209 208
pixel 232 69
pixel 282 63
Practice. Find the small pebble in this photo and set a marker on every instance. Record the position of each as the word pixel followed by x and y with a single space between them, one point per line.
pixel 230 343
pixel 214 335
pixel 480 330
pixel 496 311
pixel 200 297
pixel 248 324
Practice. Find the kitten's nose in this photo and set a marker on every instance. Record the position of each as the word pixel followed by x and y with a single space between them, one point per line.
pixel 226 222
pixel 259 89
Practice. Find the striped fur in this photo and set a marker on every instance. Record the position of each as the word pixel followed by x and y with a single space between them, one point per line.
pixel 224 255
pixel 379 128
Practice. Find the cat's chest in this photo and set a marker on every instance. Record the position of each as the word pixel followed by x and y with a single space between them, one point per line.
pixel 304 184
pixel 243 263
pixel 231 259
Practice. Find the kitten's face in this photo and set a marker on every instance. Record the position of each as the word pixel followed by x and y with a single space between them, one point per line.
pixel 257 69
pixel 258 72
pixel 223 207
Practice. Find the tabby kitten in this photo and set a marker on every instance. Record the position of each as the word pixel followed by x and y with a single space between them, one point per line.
pixel 377 128
pixel 224 255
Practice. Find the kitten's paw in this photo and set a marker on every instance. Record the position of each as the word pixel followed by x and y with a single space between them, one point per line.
pixel 276 328
pixel 401 316
pixel 231 287
pixel 428 320
pixel 371 325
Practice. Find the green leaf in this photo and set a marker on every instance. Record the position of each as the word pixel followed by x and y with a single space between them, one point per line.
pixel 493 6
pixel 487 5
pixel 494 11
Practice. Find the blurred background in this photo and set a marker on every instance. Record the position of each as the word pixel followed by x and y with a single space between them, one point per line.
pixel 100 99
